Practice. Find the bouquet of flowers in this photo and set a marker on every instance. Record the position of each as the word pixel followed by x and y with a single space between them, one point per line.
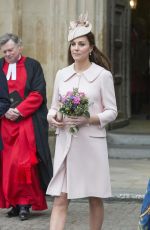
pixel 74 103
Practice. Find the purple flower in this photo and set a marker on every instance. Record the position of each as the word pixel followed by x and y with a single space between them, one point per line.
pixel 63 99
pixel 71 97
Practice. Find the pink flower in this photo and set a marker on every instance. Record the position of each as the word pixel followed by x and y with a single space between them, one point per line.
pixel 81 94
pixel 76 100
pixel 69 93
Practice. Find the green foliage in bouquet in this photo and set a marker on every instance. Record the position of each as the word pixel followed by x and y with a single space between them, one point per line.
pixel 74 103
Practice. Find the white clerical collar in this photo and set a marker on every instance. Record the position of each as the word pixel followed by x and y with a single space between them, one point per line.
pixel 11 73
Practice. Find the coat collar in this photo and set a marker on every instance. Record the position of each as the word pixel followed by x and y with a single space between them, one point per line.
pixel 90 74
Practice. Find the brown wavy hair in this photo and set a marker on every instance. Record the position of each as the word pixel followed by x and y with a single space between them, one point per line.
pixel 96 55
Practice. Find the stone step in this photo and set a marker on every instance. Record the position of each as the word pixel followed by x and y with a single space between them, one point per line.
pixel 129 151
pixel 128 146
pixel 128 139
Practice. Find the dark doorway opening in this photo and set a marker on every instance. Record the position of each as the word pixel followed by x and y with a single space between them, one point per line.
pixel 140 60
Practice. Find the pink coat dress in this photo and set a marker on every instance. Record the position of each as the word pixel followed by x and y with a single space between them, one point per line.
pixel 81 167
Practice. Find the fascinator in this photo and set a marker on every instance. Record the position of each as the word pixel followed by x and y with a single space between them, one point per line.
pixel 80 27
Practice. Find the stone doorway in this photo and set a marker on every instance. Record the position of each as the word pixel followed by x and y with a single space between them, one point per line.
pixel 140 61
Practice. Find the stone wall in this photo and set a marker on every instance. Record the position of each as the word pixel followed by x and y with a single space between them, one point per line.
pixel 43 26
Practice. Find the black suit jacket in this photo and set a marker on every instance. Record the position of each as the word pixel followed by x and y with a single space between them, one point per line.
pixel 4 100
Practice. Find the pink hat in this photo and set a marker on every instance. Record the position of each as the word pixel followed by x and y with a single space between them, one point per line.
pixel 79 28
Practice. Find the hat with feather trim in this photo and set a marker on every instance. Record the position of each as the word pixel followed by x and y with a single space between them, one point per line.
pixel 80 27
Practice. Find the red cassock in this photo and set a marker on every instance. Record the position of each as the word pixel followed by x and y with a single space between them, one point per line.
pixel 19 179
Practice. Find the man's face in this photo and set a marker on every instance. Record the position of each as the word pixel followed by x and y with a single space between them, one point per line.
pixel 11 51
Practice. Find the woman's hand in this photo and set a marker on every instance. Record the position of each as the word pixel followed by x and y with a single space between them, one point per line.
pixel 53 122
pixel 76 120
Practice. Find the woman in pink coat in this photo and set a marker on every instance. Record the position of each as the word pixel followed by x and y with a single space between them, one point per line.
pixel 81 167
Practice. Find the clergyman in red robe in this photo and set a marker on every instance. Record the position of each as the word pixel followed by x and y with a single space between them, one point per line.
pixel 25 161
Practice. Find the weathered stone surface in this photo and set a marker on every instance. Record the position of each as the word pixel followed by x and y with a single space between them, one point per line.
pixel 43 26
pixel 119 215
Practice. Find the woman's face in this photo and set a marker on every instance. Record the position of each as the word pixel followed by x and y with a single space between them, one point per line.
pixel 80 49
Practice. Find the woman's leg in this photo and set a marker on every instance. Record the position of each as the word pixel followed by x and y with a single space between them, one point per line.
pixel 59 212
pixel 96 213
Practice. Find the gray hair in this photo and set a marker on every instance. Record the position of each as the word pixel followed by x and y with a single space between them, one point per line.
pixel 9 36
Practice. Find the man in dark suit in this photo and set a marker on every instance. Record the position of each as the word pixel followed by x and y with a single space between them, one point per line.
pixel 4 100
